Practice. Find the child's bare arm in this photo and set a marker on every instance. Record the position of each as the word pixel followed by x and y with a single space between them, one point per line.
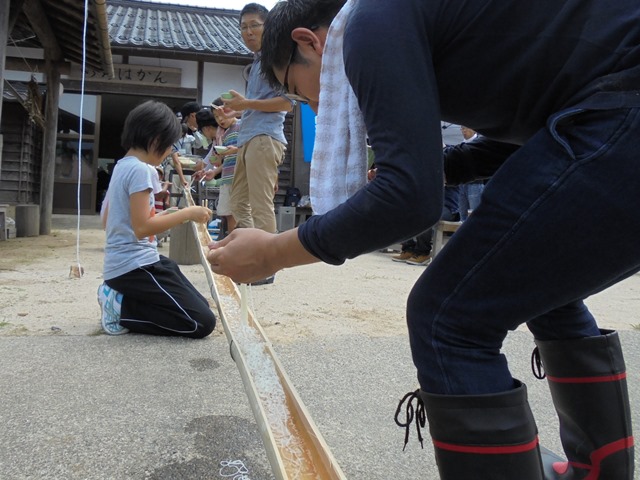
pixel 105 213
pixel 178 168
pixel 145 225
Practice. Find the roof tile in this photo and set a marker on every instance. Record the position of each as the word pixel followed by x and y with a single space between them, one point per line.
pixel 175 27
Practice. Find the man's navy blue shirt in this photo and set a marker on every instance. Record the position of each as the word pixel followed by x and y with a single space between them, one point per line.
pixel 500 67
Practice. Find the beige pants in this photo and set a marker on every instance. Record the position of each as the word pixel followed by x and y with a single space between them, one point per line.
pixel 255 177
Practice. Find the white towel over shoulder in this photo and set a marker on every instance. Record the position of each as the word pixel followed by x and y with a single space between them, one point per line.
pixel 339 162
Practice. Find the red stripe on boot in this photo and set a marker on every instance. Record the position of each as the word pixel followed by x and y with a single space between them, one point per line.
pixel 597 456
pixel 482 450
pixel 608 378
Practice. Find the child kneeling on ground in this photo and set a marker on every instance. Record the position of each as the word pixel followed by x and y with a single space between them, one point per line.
pixel 144 292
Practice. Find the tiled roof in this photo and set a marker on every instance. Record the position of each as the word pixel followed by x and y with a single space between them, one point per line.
pixel 21 88
pixel 156 26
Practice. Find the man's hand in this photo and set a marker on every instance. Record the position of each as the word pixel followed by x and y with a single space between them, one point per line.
pixel 244 255
pixel 235 105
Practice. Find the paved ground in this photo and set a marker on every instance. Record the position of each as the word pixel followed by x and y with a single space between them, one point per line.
pixel 76 404
pixel 139 407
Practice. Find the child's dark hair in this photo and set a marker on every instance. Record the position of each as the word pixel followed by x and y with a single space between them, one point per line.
pixel 205 118
pixel 255 8
pixel 189 108
pixel 151 127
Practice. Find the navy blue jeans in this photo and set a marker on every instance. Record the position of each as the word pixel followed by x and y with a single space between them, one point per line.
pixel 558 222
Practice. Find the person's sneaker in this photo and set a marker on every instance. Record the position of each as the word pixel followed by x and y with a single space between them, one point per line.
pixel 402 256
pixel 110 303
pixel 419 260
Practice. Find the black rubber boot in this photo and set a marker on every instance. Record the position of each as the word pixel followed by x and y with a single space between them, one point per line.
pixel 492 437
pixel 587 379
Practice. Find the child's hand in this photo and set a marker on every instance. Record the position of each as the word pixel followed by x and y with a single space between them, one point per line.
pixel 232 150
pixel 199 214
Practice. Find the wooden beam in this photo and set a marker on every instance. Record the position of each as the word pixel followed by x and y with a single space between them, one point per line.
pixel 33 65
pixel 42 28
pixel 4 33
pixel 201 85
pixel 128 89
pixel 181 55
pixel 16 8
pixel 47 175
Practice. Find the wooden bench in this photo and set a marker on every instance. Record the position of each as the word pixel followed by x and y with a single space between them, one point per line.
pixel 440 229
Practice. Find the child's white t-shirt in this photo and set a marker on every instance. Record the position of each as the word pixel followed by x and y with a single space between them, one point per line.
pixel 124 252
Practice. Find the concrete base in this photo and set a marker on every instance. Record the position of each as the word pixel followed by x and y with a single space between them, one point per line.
pixel 27 220
pixel 3 222
pixel 183 246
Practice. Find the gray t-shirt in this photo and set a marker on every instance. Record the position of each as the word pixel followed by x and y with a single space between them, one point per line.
pixel 124 252
pixel 255 122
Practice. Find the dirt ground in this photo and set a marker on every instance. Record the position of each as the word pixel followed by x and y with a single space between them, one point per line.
pixel 366 295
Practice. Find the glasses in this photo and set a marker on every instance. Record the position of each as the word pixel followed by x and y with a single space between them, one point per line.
pixel 285 85
pixel 253 27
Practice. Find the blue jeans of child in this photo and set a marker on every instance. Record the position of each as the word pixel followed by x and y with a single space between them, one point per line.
pixel 470 195
pixel 558 222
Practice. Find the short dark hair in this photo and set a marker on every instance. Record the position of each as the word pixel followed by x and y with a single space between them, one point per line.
pixel 189 108
pixel 205 118
pixel 256 8
pixel 284 17
pixel 151 126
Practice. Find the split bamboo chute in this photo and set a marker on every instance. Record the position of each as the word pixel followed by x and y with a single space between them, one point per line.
pixel 294 446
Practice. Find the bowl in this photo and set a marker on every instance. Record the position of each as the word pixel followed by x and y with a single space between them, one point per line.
pixel 186 162
pixel 220 149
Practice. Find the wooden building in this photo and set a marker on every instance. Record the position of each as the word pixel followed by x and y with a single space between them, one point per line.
pixel 138 51
pixel 53 30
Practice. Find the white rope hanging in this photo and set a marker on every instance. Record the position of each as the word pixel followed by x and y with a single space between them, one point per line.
pixel 79 271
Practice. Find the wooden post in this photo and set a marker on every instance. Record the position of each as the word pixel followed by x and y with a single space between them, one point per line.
pixel 53 55
pixel 47 175
pixel 4 33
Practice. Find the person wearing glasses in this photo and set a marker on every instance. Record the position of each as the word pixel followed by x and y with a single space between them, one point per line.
pixel 261 140
pixel 561 80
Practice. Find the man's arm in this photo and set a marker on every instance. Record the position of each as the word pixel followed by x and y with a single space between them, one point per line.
pixel 239 103
pixel 407 193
